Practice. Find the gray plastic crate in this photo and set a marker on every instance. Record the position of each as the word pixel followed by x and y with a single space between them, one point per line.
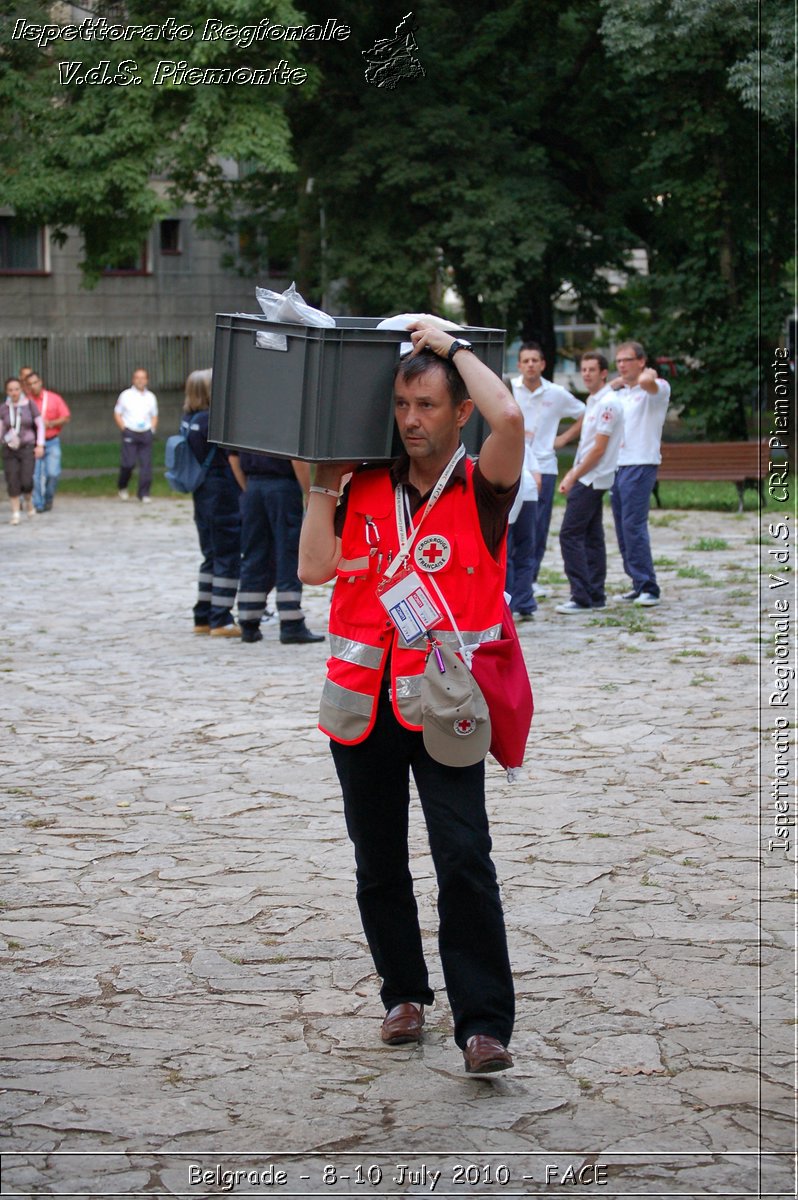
pixel 326 397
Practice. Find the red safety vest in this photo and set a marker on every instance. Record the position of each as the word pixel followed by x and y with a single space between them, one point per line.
pixel 450 542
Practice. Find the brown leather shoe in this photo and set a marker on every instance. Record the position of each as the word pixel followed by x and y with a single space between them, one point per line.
pixel 484 1054
pixel 402 1024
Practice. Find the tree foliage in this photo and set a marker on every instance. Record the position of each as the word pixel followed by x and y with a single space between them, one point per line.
pixel 715 237
pixel 86 155
pixel 545 141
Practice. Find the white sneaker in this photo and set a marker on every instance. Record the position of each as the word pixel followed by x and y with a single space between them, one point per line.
pixel 646 600
pixel 570 606
pixel 14 519
pixel 269 617
pixel 146 500
pixel 539 591
pixel 123 494
pixel 628 595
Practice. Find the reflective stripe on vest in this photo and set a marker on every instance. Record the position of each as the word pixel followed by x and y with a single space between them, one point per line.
pixel 471 637
pixel 347 565
pixel 346 699
pixel 348 650
pixel 408 686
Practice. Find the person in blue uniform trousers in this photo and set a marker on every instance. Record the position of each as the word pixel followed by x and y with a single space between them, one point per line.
pixel 272 511
pixel 216 515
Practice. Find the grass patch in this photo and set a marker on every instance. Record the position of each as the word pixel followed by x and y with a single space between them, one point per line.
pixel 105 486
pixel 663 519
pixel 709 543
pixel 103 456
pixel 665 562
pixel 692 573
pixel 631 619
pixel 549 577
pixel 711 496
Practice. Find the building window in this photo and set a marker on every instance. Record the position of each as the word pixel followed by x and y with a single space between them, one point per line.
pixel 109 259
pixel 132 265
pixel 21 248
pixel 170 239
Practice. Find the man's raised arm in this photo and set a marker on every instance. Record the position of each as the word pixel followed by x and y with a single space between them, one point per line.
pixel 502 455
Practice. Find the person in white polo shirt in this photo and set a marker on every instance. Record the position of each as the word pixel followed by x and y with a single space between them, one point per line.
pixel 645 398
pixel 584 553
pixel 521 541
pixel 544 404
pixel 136 414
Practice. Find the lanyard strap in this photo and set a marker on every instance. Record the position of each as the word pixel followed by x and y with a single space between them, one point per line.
pixel 403 519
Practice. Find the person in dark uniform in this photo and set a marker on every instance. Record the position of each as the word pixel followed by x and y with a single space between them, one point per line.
pixel 272 511
pixel 216 515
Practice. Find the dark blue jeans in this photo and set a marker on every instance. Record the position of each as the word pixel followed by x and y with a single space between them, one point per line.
pixel 136 451
pixel 584 553
pixel 216 515
pixel 375 779
pixel 631 499
pixel 545 503
pixel 271 525
pixel 521 546
pixel 46 474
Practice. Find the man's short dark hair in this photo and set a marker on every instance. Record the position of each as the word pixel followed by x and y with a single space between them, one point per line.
pixel 532 346
pixel 12 379
pixel 635 347
pixel 595 356
pixel 415 365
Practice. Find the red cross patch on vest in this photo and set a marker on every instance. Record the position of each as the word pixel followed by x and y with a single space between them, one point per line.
pixel 432 552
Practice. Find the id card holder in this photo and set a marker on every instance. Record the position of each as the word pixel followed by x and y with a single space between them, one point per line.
pixel 409 604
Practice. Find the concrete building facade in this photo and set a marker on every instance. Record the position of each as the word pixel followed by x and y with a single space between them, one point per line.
pixel 157 312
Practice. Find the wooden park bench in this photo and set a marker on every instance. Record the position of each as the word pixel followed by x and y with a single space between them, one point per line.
pixel 744 464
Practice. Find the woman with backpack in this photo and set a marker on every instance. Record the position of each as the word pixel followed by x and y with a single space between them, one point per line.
pixel 216 515
pixel 22 431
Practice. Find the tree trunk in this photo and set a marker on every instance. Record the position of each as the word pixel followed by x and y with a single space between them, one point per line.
pixel 307 273
pixel 538 322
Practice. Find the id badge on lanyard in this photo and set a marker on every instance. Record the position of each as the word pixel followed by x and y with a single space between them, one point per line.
pixel 402 592
pixel 409 604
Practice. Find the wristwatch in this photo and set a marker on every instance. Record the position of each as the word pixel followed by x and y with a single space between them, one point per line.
pixel 458 344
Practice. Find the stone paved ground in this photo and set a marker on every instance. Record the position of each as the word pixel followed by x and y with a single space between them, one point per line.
pixel 185 981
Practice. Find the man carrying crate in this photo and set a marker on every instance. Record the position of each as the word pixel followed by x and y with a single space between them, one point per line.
pixel 444 521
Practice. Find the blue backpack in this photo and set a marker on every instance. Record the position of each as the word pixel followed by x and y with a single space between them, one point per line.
pixel 184 471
